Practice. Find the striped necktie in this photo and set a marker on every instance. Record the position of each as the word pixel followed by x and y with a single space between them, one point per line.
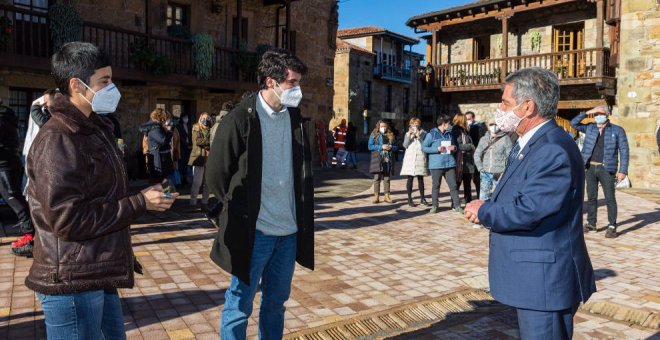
pixel 513 154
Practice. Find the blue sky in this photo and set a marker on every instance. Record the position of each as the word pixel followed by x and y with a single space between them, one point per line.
pixel 390 14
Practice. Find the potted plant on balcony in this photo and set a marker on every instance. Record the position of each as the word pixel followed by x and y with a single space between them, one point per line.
pixel 495 76
pixel 6 32
pixel 247 62
pixel 561 71
pixel 461 77
pixel 65 24
pixel 146 57
pixel 203 54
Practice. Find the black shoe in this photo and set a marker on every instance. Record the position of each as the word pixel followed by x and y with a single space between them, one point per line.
pixel 425 202
pixel 611 232
pixel 25 251
pixel 588 227
pixel 410 203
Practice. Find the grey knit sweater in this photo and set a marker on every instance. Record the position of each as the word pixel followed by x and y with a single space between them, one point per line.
pixel 493 159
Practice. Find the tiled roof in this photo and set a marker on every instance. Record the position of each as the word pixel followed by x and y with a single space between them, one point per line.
pixel 344 45
pixel 473 4
pixel 359 31
pixel 371 30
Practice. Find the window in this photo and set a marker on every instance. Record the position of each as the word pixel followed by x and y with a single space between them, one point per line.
pixel 177 15
pixel 566 39
pixel 244 33
pixel 20 101
pixel 32 5
pixel 367 95
pixel 481 48
pixel 406 100
pixel 388 99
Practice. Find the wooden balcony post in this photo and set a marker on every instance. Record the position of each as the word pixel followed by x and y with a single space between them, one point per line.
pixel 434 47
pixel 505 44
pixel 600 21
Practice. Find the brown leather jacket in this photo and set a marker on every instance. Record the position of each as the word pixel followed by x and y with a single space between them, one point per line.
pixel 80 205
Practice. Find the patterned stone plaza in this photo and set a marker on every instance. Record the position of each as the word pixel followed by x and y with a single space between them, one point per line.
pixel 369 259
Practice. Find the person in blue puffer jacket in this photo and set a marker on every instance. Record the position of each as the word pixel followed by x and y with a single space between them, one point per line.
pixel 441 146
pixel 604 144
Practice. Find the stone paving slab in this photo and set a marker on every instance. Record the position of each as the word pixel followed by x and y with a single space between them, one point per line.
pixel 369 258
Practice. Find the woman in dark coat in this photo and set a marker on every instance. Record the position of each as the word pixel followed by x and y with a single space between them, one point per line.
pixel 465 169
pixel 159 148
pixel 382 145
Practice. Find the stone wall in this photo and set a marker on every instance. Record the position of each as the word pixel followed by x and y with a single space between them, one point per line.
pixel 638 92
pixel 457 42
pixel 314 21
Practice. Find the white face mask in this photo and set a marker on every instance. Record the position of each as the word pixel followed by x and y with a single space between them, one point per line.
pixel 105 101
pixel 507 121
pixel 290 97
pixel 382 130
pixel 492 129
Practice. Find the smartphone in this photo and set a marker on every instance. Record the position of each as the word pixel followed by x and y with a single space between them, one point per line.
pixel 168 189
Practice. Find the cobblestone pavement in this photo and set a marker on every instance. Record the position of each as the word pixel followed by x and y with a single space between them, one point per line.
pixel 369 258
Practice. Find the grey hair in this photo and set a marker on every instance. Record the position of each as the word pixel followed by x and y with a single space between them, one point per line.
pixel 536 84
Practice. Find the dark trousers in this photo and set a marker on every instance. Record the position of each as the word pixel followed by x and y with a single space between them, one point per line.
pixel 467 181
pixel 385 177
pixel 10 190
pixel 420 185
pixel 540 325
pixel 476 179
pixel 450 176
pixel 598 174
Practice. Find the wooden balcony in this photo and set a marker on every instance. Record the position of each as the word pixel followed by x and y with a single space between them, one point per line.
pixel 588 66
pixel 164 60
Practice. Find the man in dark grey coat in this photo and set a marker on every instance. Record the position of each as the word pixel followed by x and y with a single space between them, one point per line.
pixel 259 168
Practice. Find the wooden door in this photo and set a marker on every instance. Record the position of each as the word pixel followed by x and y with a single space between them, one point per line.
pixel 569 42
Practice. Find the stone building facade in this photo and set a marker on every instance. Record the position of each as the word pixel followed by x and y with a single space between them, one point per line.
pixel 375 77
pixel 638 88
pixel 310 33
pixel 604 51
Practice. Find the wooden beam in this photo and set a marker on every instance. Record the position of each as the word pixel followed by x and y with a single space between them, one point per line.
pixel 580 104
pixel 600 21
pixel 505 46
pixel 486 14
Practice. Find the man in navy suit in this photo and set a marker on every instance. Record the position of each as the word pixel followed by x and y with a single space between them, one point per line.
pixel 538 260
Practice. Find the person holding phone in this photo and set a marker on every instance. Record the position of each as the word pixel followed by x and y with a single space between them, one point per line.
pixel 382 145
pixel 80 202
pixel 415 164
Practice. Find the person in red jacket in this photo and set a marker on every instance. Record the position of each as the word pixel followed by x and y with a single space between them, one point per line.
pixel 339 135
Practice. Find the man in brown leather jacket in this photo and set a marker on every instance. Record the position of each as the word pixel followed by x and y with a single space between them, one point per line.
pixel 80 203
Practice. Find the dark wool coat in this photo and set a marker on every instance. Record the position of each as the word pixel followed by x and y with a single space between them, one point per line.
pixel 233 174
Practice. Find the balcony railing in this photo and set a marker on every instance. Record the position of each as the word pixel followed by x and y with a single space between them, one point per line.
pixel 29 36
pixel 578 66
pixel 392 72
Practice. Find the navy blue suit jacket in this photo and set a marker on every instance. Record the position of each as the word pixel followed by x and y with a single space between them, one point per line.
pixel 538 259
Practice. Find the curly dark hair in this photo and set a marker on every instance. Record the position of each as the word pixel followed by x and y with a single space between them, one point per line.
pixel 275 63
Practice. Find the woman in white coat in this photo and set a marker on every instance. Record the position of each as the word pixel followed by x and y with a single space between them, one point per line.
pixel 414 160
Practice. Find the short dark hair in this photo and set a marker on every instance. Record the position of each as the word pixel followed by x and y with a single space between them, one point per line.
pixel 442 119
pixel 275 62
pixel 469 113
pixel 76 60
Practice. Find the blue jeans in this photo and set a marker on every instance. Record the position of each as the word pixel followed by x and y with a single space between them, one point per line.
pixel 273 262
pixel 488 184
pixel 87 315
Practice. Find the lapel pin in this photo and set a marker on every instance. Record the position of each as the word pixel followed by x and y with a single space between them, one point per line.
pixel 520 157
